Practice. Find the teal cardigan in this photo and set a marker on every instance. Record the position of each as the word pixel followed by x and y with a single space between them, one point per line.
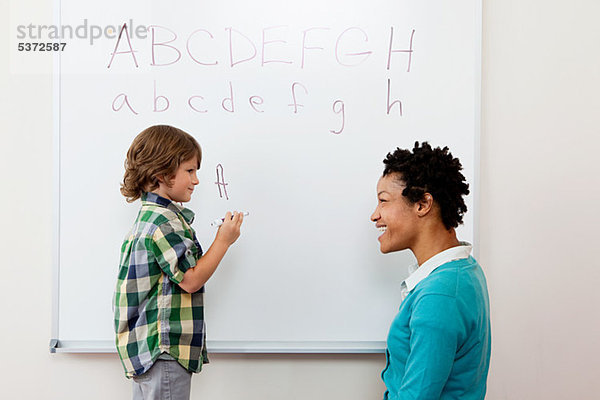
pixel 438 346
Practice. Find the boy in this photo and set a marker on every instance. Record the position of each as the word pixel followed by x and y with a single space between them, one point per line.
pixel 159 316
pixel 438 345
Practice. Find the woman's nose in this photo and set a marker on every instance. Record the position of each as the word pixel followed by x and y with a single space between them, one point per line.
pixel 375 216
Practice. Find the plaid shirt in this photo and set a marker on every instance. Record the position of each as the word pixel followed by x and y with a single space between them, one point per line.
pixel 153 315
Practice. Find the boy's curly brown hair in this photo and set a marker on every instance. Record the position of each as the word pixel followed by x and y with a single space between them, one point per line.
pixel 156 152
pixel 433 171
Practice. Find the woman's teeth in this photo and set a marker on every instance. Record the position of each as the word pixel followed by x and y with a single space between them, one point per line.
pixel 382 228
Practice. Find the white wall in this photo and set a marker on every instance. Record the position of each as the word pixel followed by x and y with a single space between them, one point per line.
pixel 539 229
pixel 540 196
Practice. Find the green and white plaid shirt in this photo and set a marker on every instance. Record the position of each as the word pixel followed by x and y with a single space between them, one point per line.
pixel 153 315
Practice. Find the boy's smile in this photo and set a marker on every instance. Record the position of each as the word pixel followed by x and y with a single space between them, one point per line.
pixel 182 183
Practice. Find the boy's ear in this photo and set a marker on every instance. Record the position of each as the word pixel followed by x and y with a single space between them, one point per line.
pixel 425 205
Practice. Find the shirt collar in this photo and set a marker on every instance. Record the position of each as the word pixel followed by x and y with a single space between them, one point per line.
pixel 151 198
pixel 454 253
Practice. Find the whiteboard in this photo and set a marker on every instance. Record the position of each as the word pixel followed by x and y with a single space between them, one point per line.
pixel 295 106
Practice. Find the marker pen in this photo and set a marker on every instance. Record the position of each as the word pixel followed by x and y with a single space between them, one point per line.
pixel 219 221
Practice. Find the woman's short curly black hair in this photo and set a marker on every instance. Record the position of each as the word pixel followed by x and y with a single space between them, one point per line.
pixel 433 171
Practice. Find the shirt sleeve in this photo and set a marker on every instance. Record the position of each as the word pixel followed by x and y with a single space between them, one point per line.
pixel 174 251
pixel 434 336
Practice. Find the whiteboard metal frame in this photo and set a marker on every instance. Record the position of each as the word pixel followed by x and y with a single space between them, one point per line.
pixel 56 85
pixel 477 127
pixel 239 347
pixel 236 347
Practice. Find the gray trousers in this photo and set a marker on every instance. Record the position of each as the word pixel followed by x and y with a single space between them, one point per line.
pixel 166 380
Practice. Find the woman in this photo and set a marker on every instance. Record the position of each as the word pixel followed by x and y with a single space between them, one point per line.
pixel 438 345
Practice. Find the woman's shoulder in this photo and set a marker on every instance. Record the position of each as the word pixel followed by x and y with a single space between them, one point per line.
pixel 449 277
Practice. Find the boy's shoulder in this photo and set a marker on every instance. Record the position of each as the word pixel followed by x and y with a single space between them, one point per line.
pixel 153 216
pixel 156 214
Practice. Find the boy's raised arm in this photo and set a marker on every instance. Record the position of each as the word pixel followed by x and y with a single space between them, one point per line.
pixel 195 277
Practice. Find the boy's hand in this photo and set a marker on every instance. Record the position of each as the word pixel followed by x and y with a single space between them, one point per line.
pixel 229 231
pixel 195 277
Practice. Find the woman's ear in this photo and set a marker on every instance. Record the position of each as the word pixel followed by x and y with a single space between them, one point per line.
pixel 424 205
